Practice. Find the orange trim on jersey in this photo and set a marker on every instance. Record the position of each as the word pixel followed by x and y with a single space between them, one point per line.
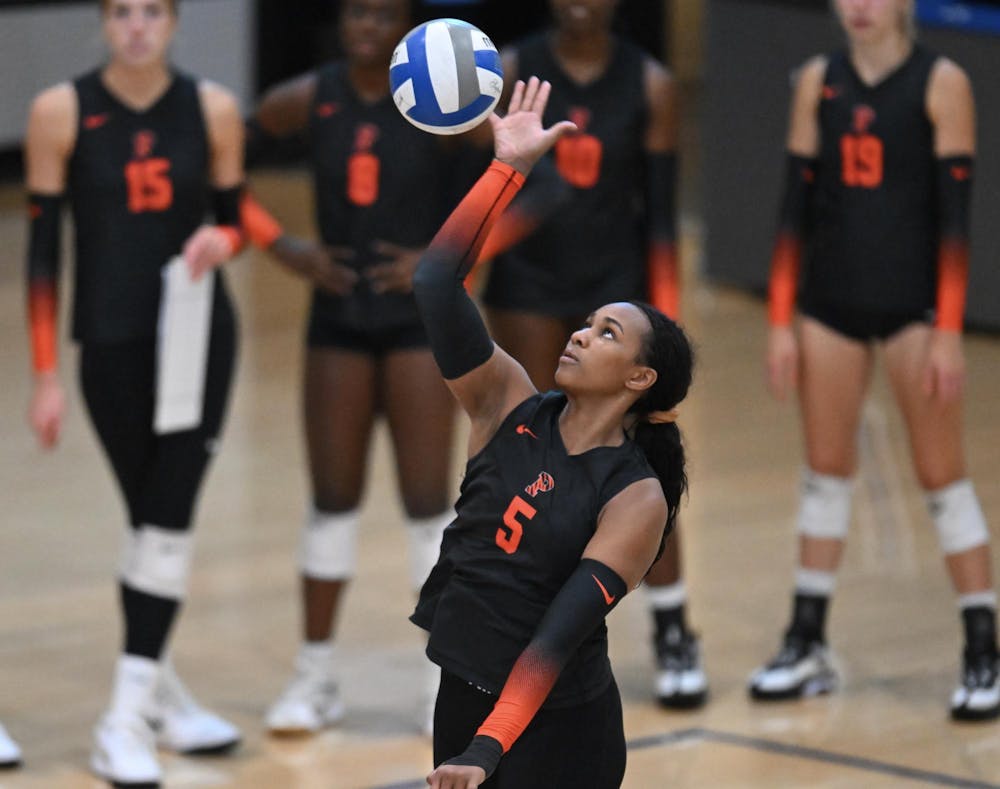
pixel 664 278
pixel 261 228
pixel 527 687
pixel 42 313
pixel 953 280
pixel 784 279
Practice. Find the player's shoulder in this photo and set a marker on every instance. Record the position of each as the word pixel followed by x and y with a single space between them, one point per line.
pixel 55 103
pixel 217 100
pixel 948 76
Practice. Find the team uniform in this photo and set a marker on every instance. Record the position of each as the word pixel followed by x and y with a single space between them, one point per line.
pixel 871 259
pixel 526 512
pixel 138 187
pixel 593 250
pixel 376 177
pixel 881 224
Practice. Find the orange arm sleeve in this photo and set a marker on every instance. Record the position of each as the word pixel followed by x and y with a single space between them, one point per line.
pixel 261 228
pixel 786 257
pixel 44 213
pixel 954 181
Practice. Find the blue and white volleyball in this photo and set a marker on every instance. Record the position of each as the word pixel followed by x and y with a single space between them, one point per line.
pixel 445 76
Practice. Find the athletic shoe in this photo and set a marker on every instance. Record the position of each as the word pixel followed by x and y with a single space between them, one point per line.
pixel 183 725
pixel 680 678
pixel 978 697
pixel 125 752
pixel 801 668
pixel 10 753
pixel 309 703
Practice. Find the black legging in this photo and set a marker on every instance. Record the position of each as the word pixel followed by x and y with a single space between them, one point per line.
pixel 159 475
pixel 579 746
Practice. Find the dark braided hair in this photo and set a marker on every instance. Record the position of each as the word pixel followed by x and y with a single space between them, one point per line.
pixel 667 350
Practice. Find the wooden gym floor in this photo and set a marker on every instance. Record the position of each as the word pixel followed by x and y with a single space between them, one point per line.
pixel 894 625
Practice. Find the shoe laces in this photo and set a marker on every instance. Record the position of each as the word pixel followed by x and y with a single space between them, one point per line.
pixel 676 650
pixel 793 649
pixel 306 686
pixel 980 669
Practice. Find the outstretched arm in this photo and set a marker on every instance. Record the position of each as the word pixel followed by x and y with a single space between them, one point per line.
pixel 485 380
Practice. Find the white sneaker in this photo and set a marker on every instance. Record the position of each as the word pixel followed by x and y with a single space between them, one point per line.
pixel 183 725
pixel 801 668
pixel 978 697
pixel 125 752
pixel 680 678
pixel 10 753
pixel 310 702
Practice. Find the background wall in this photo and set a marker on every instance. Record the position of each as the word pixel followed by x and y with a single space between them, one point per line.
pixel 42 43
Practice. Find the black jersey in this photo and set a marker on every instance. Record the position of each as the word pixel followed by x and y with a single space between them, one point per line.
pixel 139 187
pixel 526 512
pixel 377 177
pixel 873 236
pixel 597 237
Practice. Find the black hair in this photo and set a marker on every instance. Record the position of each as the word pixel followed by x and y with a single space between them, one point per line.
pixel 667 349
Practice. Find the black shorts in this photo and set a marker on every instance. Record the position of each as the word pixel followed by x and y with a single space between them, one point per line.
pixel 579 746
pixel 862 325
pixel 374 342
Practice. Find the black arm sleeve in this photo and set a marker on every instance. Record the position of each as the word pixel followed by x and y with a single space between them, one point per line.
pixel 226 205
pixel 457 334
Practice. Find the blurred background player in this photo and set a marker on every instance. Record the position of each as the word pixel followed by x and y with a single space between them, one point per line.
pixel 584 483
pixel 142 152
pixel 381 191
pixel 880 146
pixel 612 238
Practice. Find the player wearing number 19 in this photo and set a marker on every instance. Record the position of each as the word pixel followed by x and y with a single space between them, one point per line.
pixel 142 152
pixel 565 503
pixel 881 147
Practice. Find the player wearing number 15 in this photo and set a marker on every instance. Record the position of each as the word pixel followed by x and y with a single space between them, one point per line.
pixel 880 159
pixel 142 152
pixel 566 500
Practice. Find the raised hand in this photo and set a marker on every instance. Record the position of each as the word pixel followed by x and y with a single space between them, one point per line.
pixel 519 138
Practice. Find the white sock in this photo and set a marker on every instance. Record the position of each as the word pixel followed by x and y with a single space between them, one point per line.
pixel 820 583
pixel 315 657
pixel 133 685
pixel 664 597
pixel 987 599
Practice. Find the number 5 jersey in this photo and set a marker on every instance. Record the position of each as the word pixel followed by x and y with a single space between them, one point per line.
pixel 526 512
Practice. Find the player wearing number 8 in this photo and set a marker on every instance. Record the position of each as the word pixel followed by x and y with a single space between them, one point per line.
pixel 880 158
pixel 143 153
pixel 565 503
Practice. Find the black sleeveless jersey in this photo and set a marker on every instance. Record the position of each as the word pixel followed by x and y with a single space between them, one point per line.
pixel 599 233
pixel 376 177
pixel 139 186
pixel 526 512
pixel 873 238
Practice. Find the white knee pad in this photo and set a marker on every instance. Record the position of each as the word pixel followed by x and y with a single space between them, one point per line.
pixel 424 535
pixel 328 550
pixel 825 506
pixel 157 561
pixel 958 517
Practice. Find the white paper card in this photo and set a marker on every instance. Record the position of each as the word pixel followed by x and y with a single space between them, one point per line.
pixel 182 347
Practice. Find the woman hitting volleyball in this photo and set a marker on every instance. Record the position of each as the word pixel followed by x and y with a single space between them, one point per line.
pixel 566 500
pixel 612 238
pixel 142 153
pixel 881 149
pixel 382 187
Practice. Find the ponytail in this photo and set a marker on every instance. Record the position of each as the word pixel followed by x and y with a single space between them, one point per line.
pixel 668 351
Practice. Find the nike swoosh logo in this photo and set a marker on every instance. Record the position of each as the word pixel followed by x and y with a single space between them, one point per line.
pixel 522 429
pixel 608 598
pixel 960 173
pixel 92 122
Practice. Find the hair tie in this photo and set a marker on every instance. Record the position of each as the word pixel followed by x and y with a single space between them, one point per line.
pixel 662 417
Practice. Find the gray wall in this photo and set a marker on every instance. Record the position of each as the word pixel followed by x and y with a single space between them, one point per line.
pixel 43 44
pixel 751 50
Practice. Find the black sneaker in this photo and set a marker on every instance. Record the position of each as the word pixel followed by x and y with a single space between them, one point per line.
pixel 978 697
pixel 680 678
pixel 801 668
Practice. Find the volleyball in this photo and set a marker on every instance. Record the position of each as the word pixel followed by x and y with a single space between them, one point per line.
pixel 445 76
